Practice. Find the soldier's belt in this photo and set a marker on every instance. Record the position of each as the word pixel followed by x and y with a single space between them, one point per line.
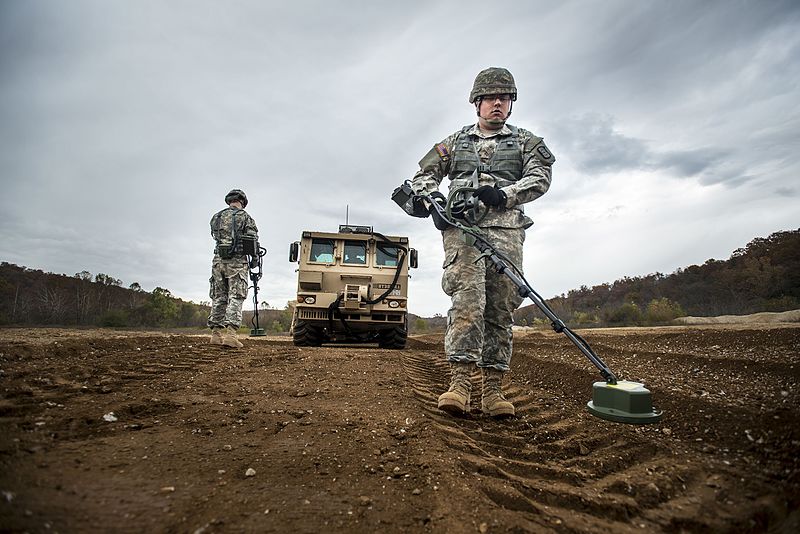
pixel 225 252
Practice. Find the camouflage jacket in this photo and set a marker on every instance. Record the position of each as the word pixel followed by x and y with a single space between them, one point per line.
pixel 227 228
pixel 522 182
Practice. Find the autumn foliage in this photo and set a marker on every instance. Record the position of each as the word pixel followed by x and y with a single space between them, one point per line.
pixel 763 276
pixel 34 297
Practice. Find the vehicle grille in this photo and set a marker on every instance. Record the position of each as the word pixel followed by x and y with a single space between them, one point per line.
pixel 312 314
pixel 377 317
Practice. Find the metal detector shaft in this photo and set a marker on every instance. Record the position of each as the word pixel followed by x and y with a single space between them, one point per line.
pixel 558 325
pixel 255 299
pixel 255 276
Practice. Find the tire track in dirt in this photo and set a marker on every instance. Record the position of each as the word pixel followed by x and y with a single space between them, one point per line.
pixel 335 430
pixel 555 467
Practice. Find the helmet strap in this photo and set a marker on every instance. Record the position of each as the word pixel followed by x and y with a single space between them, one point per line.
pixel 478 108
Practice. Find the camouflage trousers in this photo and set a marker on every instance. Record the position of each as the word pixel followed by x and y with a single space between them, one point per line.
pixel 229 281
pixel 483 301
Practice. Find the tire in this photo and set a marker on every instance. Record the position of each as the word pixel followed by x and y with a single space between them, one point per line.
pixel 305 335
pixel 394 338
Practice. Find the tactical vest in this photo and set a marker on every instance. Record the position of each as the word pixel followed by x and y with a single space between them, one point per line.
pixel 505 164
pixel 227 235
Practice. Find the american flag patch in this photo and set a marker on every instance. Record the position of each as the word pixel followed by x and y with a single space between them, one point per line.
pixel 441 149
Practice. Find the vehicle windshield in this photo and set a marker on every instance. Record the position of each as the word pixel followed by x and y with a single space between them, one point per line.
pixel 355 252
pixel 387 256
pixel 322 250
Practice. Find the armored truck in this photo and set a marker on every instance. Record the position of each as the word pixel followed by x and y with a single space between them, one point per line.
pixel 352 287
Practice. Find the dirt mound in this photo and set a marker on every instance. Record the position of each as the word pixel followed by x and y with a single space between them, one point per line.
pixel 151 432
pixel 792 316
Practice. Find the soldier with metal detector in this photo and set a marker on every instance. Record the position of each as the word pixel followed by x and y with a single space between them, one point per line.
pixel 503 167
pixel 483 229
pixel 235 253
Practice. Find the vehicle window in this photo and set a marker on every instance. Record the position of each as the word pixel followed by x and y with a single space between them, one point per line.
pixel 322 250
pixel 386 256
pixel 355 252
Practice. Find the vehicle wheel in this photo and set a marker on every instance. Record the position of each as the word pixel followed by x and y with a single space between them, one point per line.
pixel 394 338
pixel 305 335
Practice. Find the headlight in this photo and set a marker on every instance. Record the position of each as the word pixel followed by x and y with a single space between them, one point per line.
pixel 310 300
pixel 394 304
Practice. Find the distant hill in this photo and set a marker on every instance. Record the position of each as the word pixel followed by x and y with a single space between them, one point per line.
pixel 764 276
pixel 34 297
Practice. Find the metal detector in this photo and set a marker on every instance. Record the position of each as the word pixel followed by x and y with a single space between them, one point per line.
pixel 255 254
pixel 615 400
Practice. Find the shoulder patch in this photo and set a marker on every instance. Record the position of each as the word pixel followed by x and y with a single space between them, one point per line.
pixel 542 150
pixel 441 149
pixel 543 153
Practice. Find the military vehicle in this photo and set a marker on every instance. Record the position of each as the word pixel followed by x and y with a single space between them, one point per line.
pixel 352 287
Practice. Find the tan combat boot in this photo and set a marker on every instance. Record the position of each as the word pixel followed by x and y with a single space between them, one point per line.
pixel 455 400
pixel 216 336
pixel 230 339
pixel 493 402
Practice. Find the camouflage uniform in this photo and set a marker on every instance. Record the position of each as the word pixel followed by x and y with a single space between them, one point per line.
pixel 483 301
pixel 229 272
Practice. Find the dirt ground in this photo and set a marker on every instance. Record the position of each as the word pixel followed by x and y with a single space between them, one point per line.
pixel 105 431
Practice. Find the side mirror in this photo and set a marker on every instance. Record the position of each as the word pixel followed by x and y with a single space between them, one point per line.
pixel 412 258
pixel 294 251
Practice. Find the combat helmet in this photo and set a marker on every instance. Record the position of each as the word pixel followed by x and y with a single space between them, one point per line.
pixel 493 81
pixel 236 194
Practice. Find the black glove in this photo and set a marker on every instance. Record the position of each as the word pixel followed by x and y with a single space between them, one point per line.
pixel 438 220
pixel 254 263
pixel 418 208
pixel 491 195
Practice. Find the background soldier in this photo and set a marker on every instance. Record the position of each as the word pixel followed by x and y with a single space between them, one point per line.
pixel 229 269
pixel 514 167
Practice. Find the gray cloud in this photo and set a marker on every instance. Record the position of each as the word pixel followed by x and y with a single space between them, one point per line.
pixel 123 125
pixel 689 163
pixel 594 146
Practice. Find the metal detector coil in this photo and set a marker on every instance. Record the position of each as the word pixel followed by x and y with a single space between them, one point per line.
pixel 623 402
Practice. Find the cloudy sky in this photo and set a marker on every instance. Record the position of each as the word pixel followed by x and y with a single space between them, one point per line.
pixel 676 128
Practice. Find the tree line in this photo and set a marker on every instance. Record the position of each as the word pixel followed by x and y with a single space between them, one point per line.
pixel 762 276
pixel 35 297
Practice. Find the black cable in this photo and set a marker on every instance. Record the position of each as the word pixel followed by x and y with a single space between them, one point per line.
pixel 400 262
pixel 333 310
